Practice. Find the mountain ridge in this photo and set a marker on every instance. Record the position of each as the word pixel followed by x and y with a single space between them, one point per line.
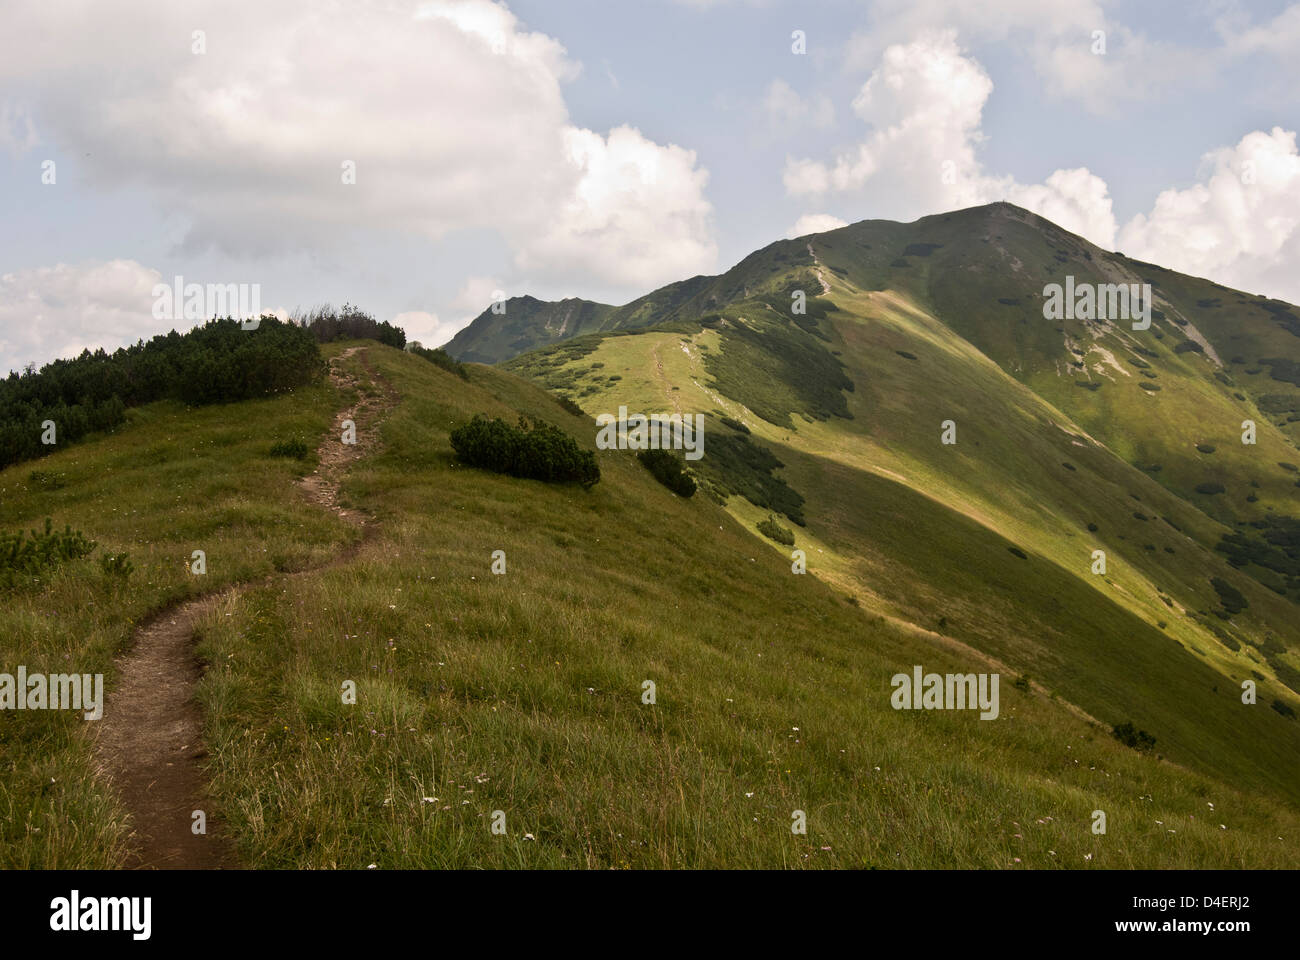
pixel 1071 436
pixel 483 340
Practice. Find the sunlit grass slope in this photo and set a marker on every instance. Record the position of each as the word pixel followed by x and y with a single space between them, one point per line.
pixel 925 531
pixel 522 693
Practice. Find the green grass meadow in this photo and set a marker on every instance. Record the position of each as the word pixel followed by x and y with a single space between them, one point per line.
pixel 517 698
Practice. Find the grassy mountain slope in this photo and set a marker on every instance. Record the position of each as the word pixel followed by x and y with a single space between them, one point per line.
pixel 526 323
pixel 522 692
pixel 1041 466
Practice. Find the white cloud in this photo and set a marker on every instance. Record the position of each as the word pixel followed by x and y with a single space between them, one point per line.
pixel 452 111
pixel 814 223
pixel 713 4
pixel 924 106
pixel 49 312
pixel 17 134
pixel 804 176
pixel 1075 199
pixel 1279 36
pixel 1058 37
pixel 786 109
pixel 426 327
pixel 475 295
pixel 636 217
pixel 1239 226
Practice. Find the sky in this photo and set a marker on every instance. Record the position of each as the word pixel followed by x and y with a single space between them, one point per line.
pixel 417 159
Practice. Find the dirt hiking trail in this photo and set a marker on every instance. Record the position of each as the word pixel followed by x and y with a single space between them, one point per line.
pixel 149 740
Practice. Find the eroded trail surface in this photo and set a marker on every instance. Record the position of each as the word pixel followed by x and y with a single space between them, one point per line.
pixel 149 741
pixel 322 486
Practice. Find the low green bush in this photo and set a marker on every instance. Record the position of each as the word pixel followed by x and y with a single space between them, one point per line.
pixel 438 357
pixel 22 556
pixel 773 530
pixel 667 469
pixel 116 565
pixel 533 450
pixel 1232 598
pixel 1129 735
pixel 570 406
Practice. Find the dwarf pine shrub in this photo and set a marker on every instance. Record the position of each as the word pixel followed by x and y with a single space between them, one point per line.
pixel 667 469
pixel 534 450
pixel 23 556
pixel 1129 735
pixel 773 530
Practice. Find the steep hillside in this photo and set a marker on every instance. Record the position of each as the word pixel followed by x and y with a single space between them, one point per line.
pixel 1071 436
pixel 524 323
pixel 522 693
